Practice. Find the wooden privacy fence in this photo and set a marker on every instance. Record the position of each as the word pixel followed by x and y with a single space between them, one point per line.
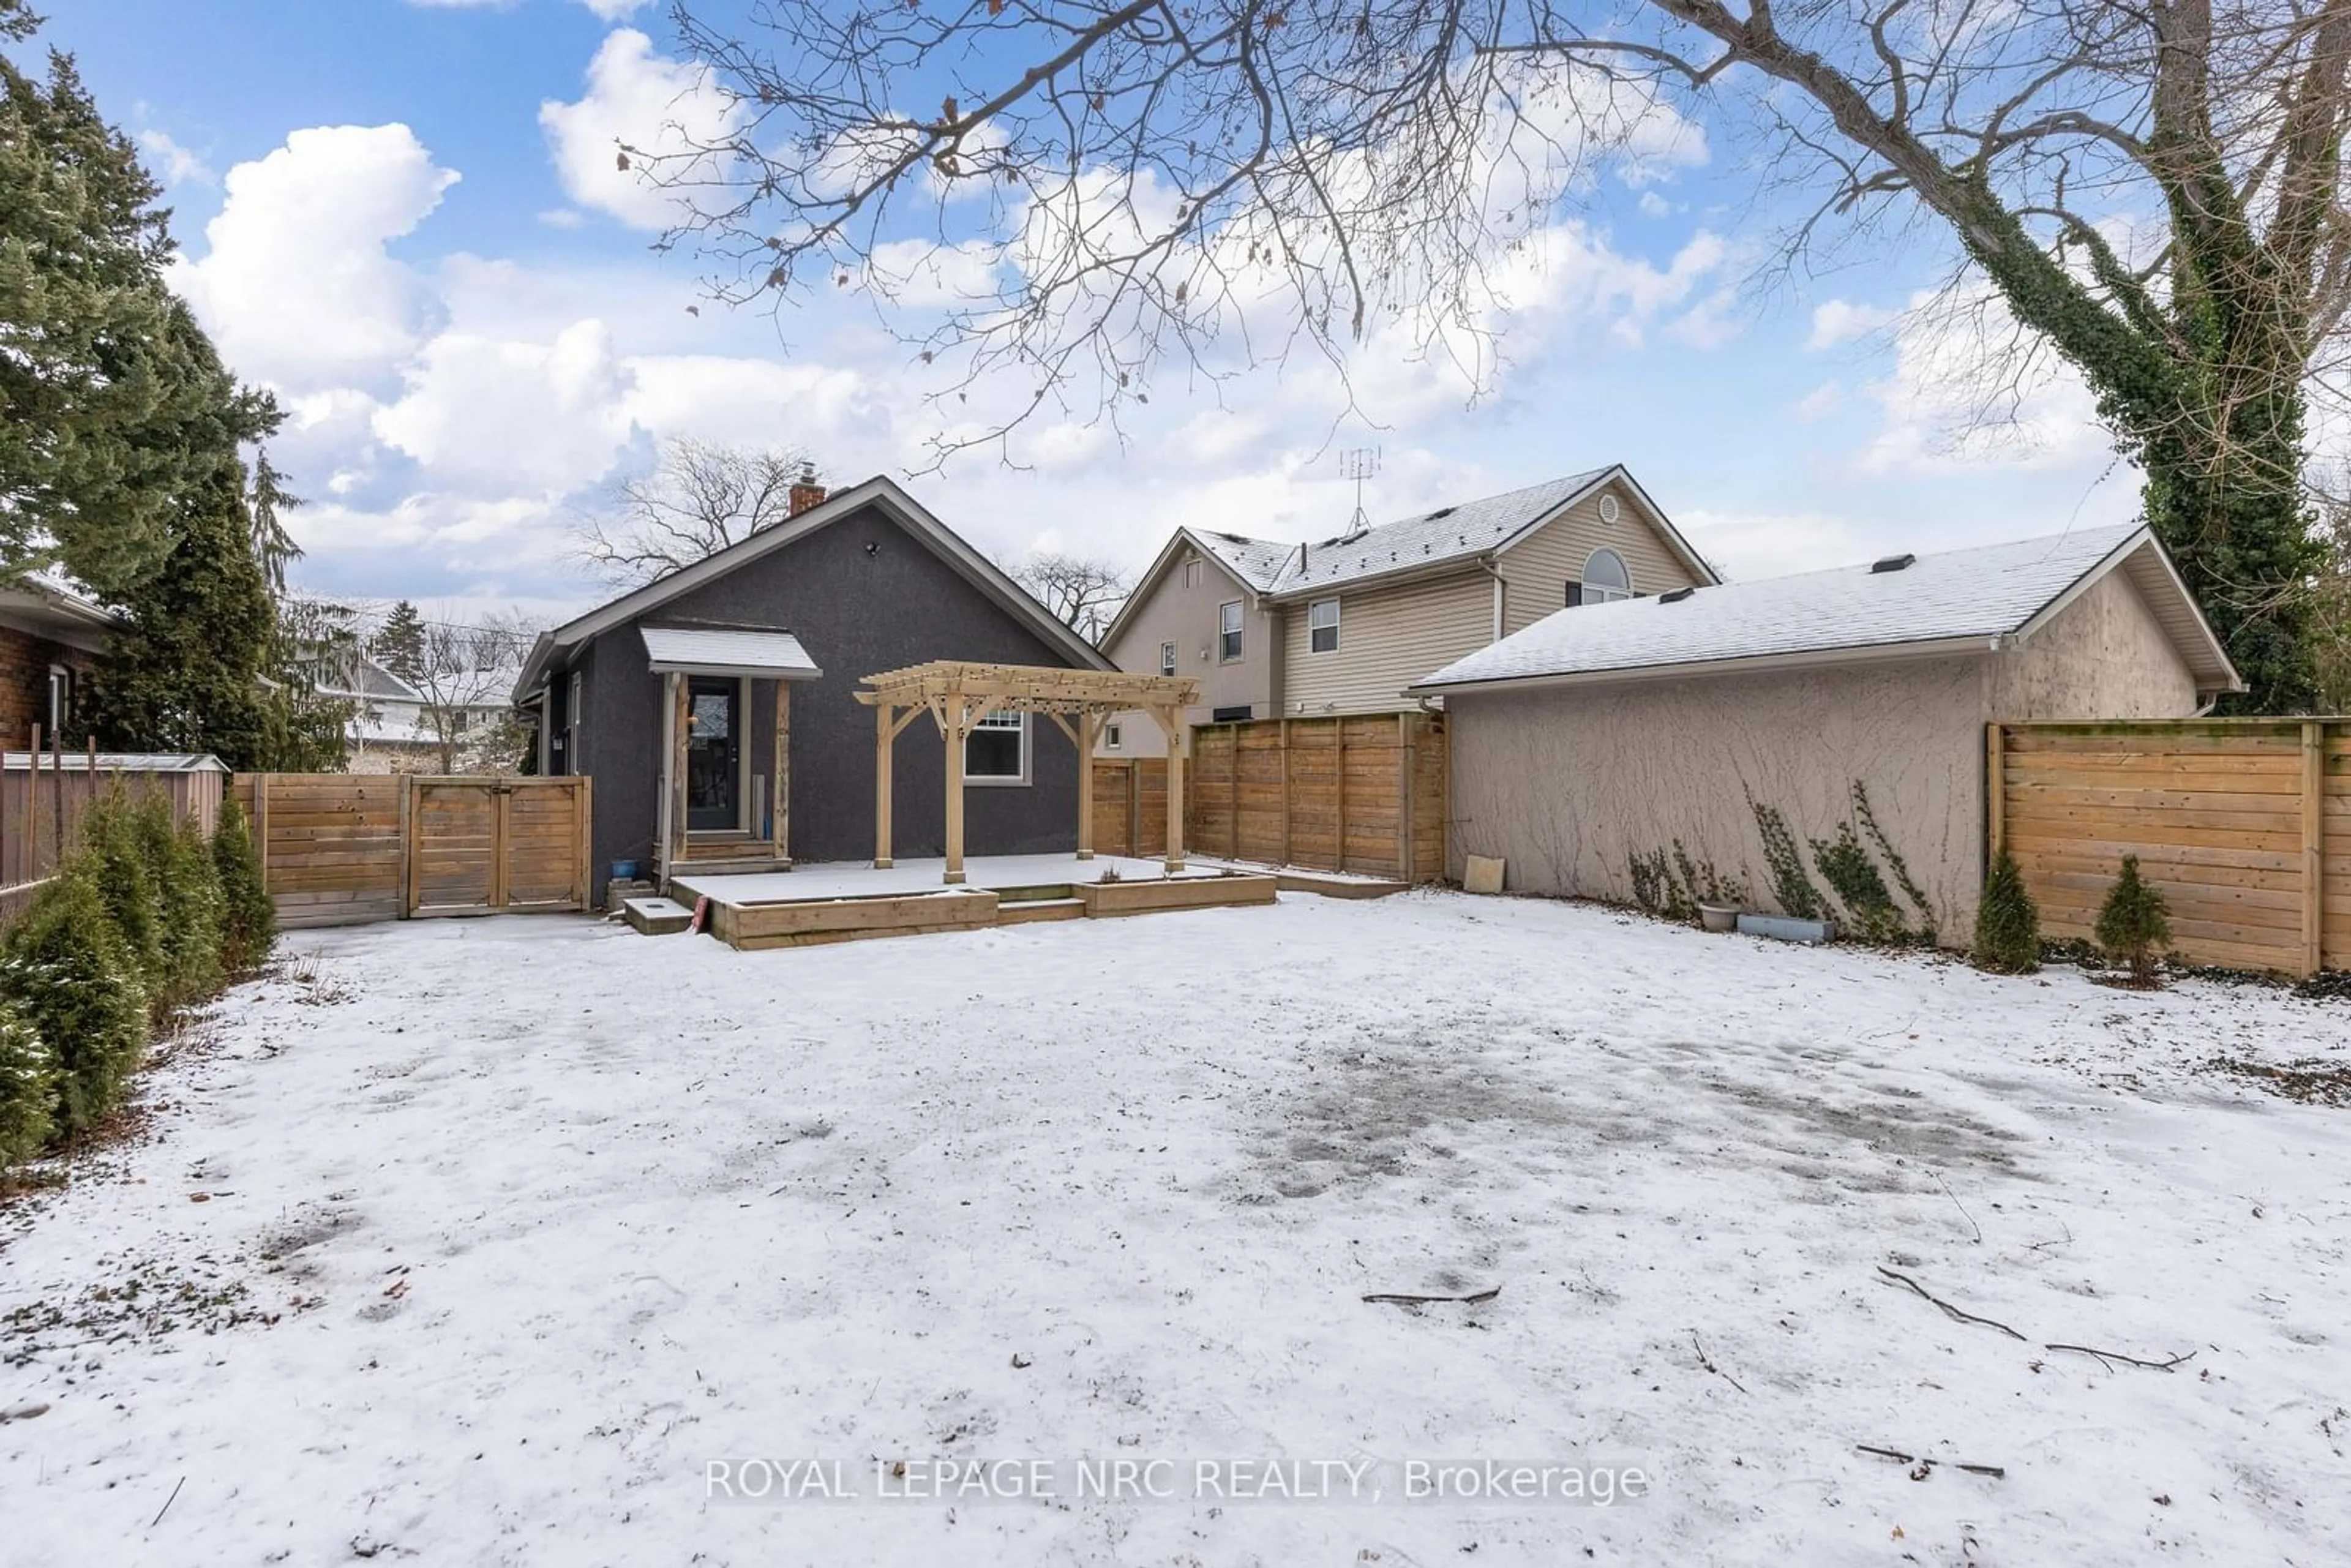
pixel 337 849
pixel 1364 794
pixel 42 797
pixel 2244 825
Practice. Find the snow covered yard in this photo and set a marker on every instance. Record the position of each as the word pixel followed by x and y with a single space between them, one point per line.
pixel 511 1228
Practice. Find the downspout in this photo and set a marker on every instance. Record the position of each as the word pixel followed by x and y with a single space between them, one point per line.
pixel 1486 565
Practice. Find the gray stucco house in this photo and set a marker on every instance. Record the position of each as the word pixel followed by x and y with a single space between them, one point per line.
pixel 671 697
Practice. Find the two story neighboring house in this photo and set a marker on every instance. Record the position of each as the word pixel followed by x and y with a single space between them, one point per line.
pixel 1344 626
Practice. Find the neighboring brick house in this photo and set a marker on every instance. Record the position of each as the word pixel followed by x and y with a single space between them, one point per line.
pixel 49 638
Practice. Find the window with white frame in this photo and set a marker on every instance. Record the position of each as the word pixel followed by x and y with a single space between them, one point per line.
pixel 997 750
pixel 1229 632
pixel 1113 736
pixel 1606 580
pixel 61 693
pixel 1166 658
pixel 1322 626
pixel 574 721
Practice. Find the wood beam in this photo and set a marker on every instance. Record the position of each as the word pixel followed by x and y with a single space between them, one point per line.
pixel 1088 728
pixel 680 731
pixel 955 732
pixel 779 782
pixel 886 731
pixel 1171 725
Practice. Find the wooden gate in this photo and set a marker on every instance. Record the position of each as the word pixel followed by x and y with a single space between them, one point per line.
pixel 485 846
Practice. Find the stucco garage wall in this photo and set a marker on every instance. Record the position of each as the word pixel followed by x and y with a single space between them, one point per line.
pixel 1566 783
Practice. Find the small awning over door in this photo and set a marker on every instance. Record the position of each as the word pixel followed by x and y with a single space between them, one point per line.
pixel 727 650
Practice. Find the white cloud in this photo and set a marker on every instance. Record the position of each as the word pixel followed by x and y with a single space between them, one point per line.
pixel 1820 402
pixel 1841 321
pixel 544 419
pixel 176 163
pixel 1654 205
pixel 1971 389
pixel 664 107
pixel 296 285
pixel 562 218
pixel 615 10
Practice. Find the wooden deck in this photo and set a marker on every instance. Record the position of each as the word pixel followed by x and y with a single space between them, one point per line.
pixel 849 904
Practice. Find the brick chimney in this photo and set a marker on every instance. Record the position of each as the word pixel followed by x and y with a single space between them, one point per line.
pixel 805 491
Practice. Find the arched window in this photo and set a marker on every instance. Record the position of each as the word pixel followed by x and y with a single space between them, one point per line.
pixel 1606 580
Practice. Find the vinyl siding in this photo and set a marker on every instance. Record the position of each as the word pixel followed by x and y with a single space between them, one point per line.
pixel 1171 613
pixel 1539 567
pixel 1388 638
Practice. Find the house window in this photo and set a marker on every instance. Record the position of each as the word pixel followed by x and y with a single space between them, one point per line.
pixel 1166 658
pixel 997 750
pixel 60 698
pixel 1606 580
pixel 1322 626
pixel 1229 632
pixel 1192 573
pixel 1113 736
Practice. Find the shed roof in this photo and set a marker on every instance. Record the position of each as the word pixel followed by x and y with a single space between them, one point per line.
pixel 729 651
pixel 1966 600
pixel 119 761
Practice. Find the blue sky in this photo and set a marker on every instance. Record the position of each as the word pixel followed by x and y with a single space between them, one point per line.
pixel 404 217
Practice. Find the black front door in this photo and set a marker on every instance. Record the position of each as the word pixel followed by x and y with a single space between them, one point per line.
pixel 713 753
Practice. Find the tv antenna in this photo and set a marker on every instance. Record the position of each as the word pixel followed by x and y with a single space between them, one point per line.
pixel 1359 463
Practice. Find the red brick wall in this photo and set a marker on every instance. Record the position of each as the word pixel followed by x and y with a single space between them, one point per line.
pixel 25 661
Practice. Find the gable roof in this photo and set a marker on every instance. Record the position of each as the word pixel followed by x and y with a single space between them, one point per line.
pixel 878 492
pixel 1449 536
pixel 1958 601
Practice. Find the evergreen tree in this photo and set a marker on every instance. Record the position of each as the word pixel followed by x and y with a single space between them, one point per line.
pixel 119 863
pixel 2007 926
pixel 186 675
pixel 187 903
pixel 248 920
pixel 400 646
pixel 111 405
pixel 66 971
pixel 28 1087
pixel 273 546
pixel 2134 924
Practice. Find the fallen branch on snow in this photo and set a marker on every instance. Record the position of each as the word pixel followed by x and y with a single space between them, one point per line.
pixel 1998 1472
pixel 2114 1355
pixel 1399 1298
pixel 1707 1361
pixel 1955 1314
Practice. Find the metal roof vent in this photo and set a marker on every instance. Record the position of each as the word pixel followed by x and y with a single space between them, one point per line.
pixel 1440 512
pixel 1675 595
pixel 1891 563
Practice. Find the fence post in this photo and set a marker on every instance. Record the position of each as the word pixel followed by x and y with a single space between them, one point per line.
pixel 2314 845
pixel 1995 794
pixel 1285 792
pixel 1403 797
pixel 260 826
pixel 407 840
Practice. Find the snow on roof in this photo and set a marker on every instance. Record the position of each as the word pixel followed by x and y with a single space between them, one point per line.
pixel 729 650
pixel 1950 598
pixel 1448 533
pixel 1256 562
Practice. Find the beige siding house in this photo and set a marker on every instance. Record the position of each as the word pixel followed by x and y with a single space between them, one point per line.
pixel 1647 727
pixel 1344 626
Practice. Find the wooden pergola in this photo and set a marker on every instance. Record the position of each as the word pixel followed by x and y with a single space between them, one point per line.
pixel 958 696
